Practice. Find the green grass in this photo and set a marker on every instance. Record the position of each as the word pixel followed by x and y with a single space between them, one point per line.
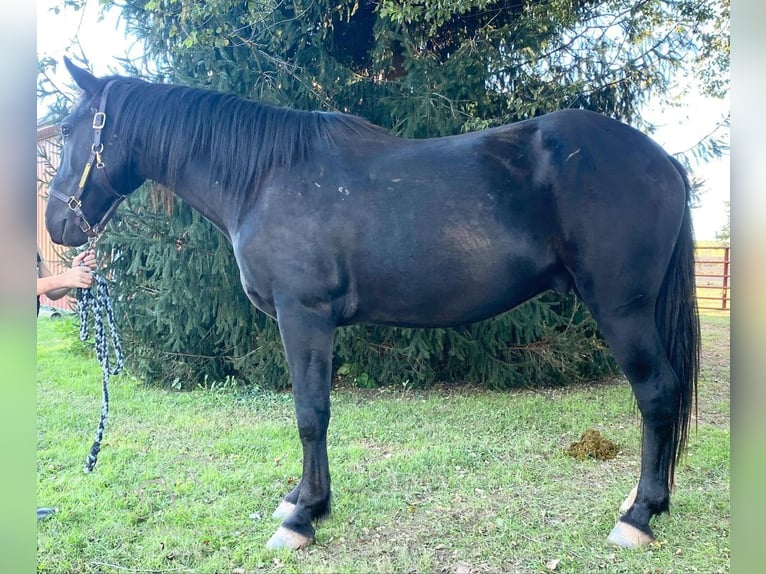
pixel 462 480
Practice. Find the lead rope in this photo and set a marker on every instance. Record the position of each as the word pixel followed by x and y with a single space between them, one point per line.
pixel 100 304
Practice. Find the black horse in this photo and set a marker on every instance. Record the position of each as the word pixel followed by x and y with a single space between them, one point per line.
pixel 334 221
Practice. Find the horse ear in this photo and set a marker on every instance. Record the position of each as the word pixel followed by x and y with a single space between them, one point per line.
pixel 87 81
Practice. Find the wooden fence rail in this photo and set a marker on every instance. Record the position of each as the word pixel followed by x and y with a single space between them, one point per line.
pixel 47 162
pixel 713 273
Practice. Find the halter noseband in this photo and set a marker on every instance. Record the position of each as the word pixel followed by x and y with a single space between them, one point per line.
pixel 73 202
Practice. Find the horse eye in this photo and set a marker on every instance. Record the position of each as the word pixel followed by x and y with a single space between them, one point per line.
pixel 66 130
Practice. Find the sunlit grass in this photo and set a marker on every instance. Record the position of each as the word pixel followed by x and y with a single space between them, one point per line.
pixel 451 480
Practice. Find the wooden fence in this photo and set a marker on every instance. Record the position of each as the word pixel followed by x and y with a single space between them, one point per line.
pixel 713 273
pixel 47 161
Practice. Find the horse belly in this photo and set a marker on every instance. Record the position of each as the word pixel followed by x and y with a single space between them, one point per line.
pixel 445 290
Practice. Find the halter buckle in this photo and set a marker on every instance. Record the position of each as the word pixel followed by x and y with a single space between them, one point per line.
pixel 99 119
pixel 73 203
pixel 84 225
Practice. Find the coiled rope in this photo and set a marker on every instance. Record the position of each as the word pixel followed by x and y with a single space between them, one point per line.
pixel 101 306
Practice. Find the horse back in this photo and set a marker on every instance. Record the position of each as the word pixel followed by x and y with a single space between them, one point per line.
pixel 441 231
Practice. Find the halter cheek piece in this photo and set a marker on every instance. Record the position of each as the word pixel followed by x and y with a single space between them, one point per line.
pixel 73 202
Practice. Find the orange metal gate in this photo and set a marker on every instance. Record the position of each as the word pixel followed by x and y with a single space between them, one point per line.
pixel 713 273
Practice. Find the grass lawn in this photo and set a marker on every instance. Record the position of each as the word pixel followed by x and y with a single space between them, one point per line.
pixel 451 480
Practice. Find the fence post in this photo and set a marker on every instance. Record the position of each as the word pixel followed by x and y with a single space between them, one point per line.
pixel 725 293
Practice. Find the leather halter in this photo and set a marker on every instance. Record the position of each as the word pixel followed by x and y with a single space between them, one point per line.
pixel 74 202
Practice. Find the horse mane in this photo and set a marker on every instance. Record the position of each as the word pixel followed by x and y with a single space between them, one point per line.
pixel 242 139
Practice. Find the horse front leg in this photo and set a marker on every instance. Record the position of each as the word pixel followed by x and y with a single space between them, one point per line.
pixel 307 338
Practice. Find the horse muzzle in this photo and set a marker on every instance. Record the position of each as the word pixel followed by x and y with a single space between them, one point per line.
pixel 74 204
pixel 82 229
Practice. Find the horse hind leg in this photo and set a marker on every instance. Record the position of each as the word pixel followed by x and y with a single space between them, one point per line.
pixel 636 345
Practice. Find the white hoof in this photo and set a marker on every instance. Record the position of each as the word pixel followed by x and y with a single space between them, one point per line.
pixel 284 538
pixel 284 510
pixel 625 535
pixel 625 506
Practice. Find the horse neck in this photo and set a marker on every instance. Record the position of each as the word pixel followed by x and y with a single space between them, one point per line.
pixel 211 201
pixel 192 184
pixel 213 152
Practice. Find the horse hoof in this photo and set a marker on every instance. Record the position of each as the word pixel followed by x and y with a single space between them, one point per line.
pixel 284 510
pixel 285 538
pixel 626 535
pixel 628 502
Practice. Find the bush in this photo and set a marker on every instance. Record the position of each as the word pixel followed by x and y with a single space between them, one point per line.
pixel 549 340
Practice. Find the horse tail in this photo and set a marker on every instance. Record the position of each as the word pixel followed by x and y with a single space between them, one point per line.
pixel 677 320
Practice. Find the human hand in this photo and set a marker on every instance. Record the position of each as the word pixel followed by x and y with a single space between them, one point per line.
pixel 86 259
pixel 77 277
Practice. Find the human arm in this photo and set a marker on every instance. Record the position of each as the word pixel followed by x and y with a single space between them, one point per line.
pixel 79 275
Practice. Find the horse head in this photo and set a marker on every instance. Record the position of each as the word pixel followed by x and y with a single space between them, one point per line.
pixel 95 172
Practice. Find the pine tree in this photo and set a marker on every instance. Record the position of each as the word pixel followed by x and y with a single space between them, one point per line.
pixel 419 68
